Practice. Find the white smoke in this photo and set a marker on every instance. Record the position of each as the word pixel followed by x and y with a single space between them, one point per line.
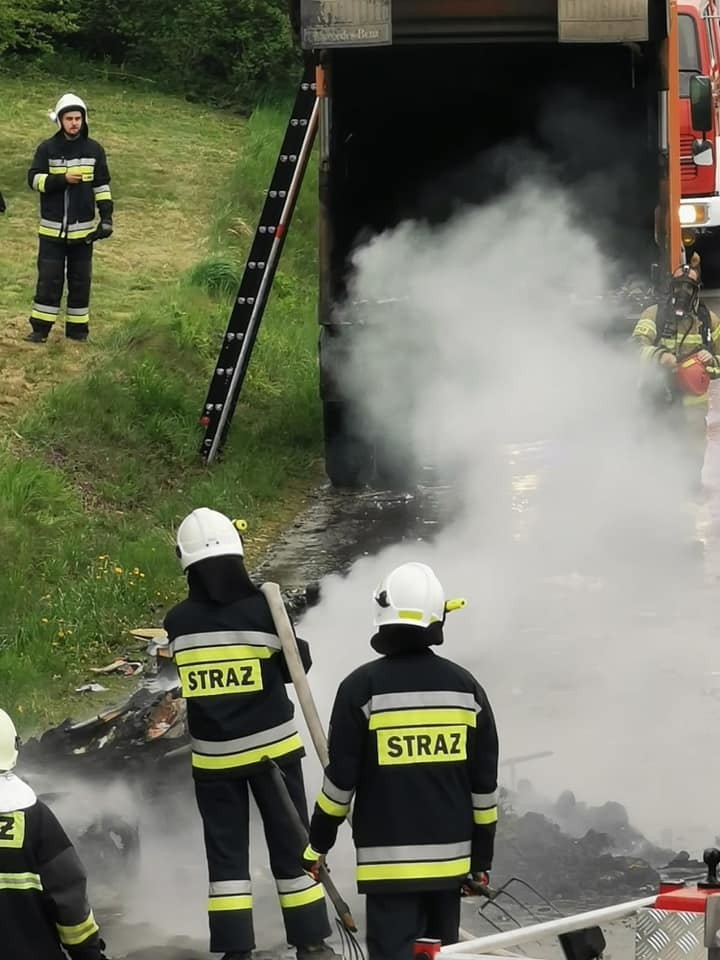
pixel 588 621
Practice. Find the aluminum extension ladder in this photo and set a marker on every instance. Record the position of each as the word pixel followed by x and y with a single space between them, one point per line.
pixel 262 261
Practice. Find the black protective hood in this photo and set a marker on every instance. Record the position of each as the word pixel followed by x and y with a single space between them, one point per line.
pixel 219 580
pixel 399 638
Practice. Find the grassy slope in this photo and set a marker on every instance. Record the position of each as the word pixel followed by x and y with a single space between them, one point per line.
pixel 98 468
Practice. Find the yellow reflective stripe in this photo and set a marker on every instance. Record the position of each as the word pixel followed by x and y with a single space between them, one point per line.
pixel 39 315
pixel 243 902
pixel 79 933
pixel 208 654
pixel 20 881
pixel 413 871
pixel 103 195
pixel 310 854
pixel 52 169
pixel 80 318
pixel 49 231
pixel 78 234
pixel 689 400
pixel 40 181
pixel 301 897
pixel 231 760
pixel 434 716
pixel 485 817
pixel 410 614
pixel 332 808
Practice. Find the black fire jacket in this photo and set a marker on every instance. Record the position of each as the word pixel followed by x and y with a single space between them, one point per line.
pixel 67 210
pixel 413 738
pixel 43 891
pixel 233 675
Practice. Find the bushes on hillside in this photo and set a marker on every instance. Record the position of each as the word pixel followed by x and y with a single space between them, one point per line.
pixel 29 27
pixel 219 51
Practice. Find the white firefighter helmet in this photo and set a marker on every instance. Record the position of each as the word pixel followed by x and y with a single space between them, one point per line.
pixel 411 595
pixel 8 742
pixel 207 533
pixel 68 101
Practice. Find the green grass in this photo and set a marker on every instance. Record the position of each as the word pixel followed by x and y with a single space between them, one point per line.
pixel 102 457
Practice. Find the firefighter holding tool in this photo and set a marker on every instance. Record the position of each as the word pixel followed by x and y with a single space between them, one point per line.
pixel 412 738
pixel 679 343
pixel 233 675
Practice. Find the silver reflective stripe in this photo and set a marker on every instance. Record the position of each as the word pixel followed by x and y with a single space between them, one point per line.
pixel 37 178
pixel 76 311
pixel 335 793
pixel 421 852
pixel 229 888
pixel 56 162
pixel 420 698
pixel 51 224
pixel 81 162
pixel 226 638
pixel 80 225
pixel 295 884
pixel 218 748
pixel 105 188
pixel 482 801
pixel 45 308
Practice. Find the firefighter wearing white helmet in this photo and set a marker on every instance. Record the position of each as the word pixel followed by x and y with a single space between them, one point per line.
pixel 70 172
pixel 233 675
pixel 44 910
pixel 413 739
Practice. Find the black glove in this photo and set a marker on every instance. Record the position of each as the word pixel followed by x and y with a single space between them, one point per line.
pixel 101 232
pixel 88 951
pixel 477 885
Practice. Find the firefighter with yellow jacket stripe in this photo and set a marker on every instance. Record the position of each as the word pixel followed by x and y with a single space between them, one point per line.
pixel 233 675
pixel 674 337
pixel 413 739
pixel 70 172
pixel 44 910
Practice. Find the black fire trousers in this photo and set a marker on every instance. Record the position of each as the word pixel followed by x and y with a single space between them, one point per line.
pixel 56 258
pixel 225 810
pixel 394 921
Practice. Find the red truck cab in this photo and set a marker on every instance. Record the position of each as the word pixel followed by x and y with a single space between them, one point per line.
pixel 699 58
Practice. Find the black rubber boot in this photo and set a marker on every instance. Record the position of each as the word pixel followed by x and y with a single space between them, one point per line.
pixel 238 955
pixel 317 951
pixel 36 337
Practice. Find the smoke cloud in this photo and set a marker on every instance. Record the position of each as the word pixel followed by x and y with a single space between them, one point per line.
pixel 589 620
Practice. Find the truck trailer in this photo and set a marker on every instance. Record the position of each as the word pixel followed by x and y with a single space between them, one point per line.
pixel 412 90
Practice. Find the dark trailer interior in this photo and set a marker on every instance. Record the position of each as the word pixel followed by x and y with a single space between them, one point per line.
pixel 471 97
pixel 462 105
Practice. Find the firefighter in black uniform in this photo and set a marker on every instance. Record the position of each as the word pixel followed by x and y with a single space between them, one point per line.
pixel 44 910
pixel 413 737
pixel 233 675
pixel 71 174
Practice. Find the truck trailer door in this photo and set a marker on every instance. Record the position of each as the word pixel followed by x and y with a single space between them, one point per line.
pixel 603 21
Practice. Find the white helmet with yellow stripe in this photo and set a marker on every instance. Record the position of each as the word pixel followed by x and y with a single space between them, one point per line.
pixel 410 595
